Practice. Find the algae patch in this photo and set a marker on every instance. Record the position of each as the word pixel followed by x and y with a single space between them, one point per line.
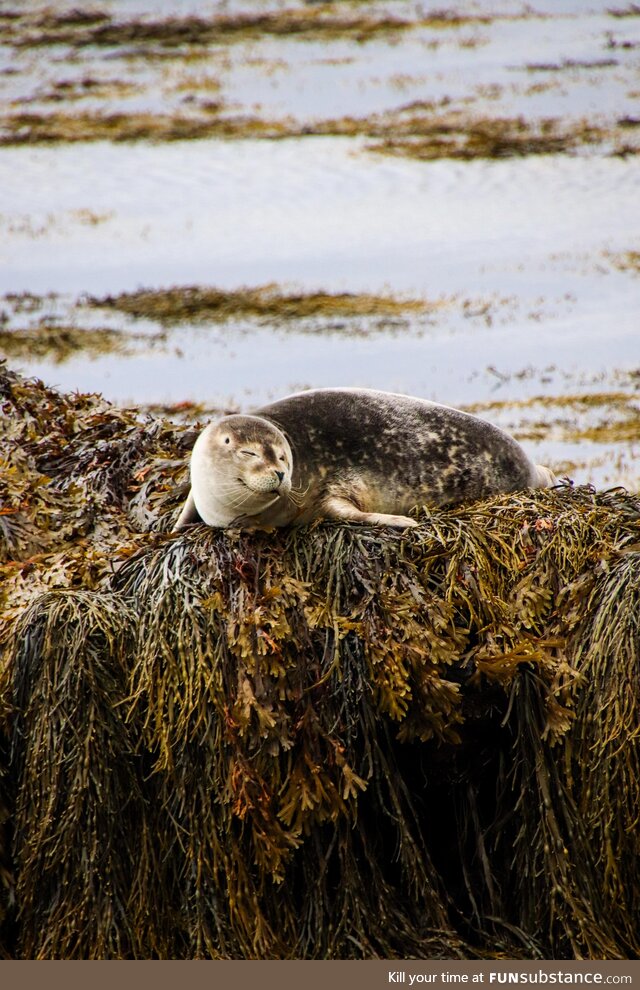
pixel 52 128
pixel 306 24
pixel 418 131
pixel 632 10
pixel 87 87
pixel 198 304
pixel 414 133
pixel 625 261
pixel 597 417
pixel 59 343
pixel 121 64
pixel 55 329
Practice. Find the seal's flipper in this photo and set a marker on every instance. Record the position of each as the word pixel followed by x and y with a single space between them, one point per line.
pixel 545 478
pixel 189 514
pixel 338 507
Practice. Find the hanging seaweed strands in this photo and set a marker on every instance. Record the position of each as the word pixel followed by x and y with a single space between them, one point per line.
pixel 327 742
pixel 349 454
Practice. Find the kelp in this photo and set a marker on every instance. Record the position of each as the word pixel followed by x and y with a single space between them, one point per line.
pixel 332 742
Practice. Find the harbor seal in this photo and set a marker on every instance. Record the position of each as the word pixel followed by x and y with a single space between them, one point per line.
pixel 350 454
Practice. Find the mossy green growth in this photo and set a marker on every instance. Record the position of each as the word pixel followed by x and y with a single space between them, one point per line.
pixel 332 742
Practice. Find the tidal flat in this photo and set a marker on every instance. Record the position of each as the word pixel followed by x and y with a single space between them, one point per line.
pixel 201 210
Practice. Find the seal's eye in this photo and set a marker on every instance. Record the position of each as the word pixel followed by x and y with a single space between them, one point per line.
pixel 251 453
pixel 282 457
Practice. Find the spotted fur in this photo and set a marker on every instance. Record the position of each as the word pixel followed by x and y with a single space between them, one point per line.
pixel 368 456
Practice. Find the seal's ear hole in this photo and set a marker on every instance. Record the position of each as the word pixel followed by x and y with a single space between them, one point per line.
pixel 227 440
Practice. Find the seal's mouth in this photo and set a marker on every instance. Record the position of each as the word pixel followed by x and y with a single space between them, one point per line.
pixel 274 492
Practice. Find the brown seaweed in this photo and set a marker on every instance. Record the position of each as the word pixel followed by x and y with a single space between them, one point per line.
pixel 333 742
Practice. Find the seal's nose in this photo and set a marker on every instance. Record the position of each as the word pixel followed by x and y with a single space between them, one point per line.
pixel 280 475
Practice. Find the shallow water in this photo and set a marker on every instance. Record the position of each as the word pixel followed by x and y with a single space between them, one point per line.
pixel 522 254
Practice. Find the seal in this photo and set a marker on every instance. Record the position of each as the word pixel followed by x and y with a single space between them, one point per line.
pixel 350 454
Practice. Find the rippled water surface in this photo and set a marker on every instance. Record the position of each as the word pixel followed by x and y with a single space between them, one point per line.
pixel 530 262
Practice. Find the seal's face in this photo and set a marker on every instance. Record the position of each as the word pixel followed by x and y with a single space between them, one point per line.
pixel 240 466
pixel 256 455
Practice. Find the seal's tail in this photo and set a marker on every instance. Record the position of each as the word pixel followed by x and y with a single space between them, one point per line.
pixel 543 477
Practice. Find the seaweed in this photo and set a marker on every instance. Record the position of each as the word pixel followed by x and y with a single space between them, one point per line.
pixel 632 10
pixel 59 343
pixel 417 131
pixel 427 136
pixel 42 117
pixel 627 261
pixel 193 303
pixel 331 742
pixel 50 128
pixel 176 32
pixel 76 817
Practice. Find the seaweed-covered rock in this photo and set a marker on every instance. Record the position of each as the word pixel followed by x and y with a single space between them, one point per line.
pixel 337 741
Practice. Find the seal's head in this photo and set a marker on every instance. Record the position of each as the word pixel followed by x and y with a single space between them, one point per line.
pixel 240 466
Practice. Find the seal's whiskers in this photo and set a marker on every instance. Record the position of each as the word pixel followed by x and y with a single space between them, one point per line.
pixel 297 495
